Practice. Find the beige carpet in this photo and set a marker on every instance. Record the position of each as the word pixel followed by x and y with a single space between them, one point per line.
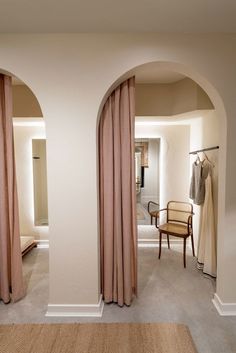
pixel 96 338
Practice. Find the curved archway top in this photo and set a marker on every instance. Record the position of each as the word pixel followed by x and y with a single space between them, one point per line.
pixel 176 68
pixel 16 77
pixel 217 101
pixel 25 102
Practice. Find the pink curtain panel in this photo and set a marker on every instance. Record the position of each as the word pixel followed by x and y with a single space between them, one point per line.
pixel 11 280
pixel 118 229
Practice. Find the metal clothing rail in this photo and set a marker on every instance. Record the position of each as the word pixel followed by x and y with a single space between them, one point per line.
pixel 205 149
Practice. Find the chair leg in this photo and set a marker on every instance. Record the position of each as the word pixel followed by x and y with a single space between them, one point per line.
pixel 156 222
pixel 184 254
pixel 192 245
pixel 168 241
pixel 151 220
pixel 160 236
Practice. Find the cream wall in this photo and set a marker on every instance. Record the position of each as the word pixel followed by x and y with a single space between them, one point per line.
pixel 23 136
pixel 70 75
pixel 40 182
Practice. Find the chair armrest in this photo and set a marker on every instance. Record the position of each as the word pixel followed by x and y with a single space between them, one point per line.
pixel 190 223
pixel 152 202
pixel 163 209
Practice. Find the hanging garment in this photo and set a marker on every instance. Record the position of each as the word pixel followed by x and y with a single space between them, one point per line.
pixel 197 186
pixel 207 237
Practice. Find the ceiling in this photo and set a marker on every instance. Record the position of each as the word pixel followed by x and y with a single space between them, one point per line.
pixel 55 16
pixel 154 73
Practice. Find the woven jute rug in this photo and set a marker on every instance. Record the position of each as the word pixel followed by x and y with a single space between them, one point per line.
pixel 96 338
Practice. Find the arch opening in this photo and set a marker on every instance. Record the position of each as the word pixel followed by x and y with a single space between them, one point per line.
pixel 218 106
pixel 29 130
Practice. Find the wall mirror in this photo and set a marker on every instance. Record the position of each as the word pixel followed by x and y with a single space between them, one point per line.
pixel 141 162
pixel 142 146
pixel 40 182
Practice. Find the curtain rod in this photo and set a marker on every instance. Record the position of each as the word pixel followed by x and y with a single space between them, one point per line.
pixel 205 149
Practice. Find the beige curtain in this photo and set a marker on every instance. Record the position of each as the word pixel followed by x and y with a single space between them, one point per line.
pixel 11 281
pixel 207 237
pixel 117 196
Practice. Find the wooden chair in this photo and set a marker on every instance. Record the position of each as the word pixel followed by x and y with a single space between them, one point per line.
pixel 179 223
pixel 154 213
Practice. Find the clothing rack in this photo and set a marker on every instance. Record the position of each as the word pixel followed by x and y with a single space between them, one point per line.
pixel 205 149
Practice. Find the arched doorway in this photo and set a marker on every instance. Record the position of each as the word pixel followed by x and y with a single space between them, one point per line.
pixel 31 175
pixel 220 111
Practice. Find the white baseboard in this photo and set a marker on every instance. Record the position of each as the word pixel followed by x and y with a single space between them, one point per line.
pixel 224 309
pixel 42 243
pixel 153 243
pixel 76 310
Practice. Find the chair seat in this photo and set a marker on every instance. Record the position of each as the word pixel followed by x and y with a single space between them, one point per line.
pixel 179 230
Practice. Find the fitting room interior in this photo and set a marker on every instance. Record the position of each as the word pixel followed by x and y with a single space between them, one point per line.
pixel 113 135
pixel 174 116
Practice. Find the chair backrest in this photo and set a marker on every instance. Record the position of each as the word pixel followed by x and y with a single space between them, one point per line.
pixel 179 211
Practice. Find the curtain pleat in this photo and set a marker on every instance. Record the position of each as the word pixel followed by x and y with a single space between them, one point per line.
pixel 11 279
pixel 118 230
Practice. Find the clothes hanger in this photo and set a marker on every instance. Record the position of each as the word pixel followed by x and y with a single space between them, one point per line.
pixel 198 160
pixel 208 160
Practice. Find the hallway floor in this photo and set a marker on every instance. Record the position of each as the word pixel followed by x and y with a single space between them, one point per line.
pixel 143 217
pixel 167 293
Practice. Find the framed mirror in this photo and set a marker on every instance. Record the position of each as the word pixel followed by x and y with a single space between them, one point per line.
pixel 40 182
